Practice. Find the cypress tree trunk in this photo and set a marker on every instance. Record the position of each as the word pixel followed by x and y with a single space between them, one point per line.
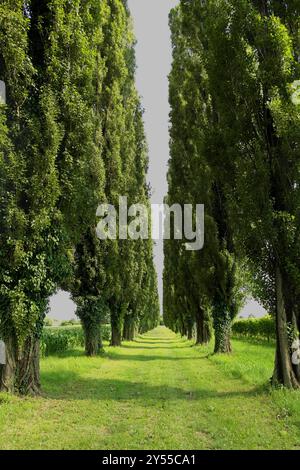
pixel 128 328
pixel 116 330
pixel 190 332
pixel 183 331
pixel 284 373
pixel 28 368
pixel 202 329
pixel 92 338
pixel 222 335
pixel 222 320
pixel 21 373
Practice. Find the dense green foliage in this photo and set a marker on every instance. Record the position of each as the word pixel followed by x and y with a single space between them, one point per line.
pixel 200 287
pixel 58 340
pixel 116 278
pixel 71 137
pixel 241 70
pixel 257 328
pixel 31 255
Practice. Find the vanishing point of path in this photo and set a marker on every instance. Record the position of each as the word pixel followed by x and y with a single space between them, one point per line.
pixel 158 392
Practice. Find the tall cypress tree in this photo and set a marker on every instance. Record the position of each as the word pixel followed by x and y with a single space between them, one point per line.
pixel 51 172
pixel 206 282
pixel 261 128
pixel 109 275
pixel 89 277
pixel 181 280
pixel 125 162
pixel 30 261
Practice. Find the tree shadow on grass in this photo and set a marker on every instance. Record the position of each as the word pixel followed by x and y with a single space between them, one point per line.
pixel 69 386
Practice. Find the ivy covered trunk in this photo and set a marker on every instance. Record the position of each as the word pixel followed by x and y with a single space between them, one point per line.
pixel 285 373
pixel 21 373
pixel 92 338
pixel 28 368
pixel 222 336
pixel 129 328
pixel 222 327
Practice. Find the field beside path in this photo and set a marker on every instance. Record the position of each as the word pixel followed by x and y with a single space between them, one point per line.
pixel 159 392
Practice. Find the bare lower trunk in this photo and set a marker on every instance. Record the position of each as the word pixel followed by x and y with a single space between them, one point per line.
pixel 115 336
pixel 129 328
pixel 116 330
pixel 283 370
pixel 202 330
pixel 183 331
pixel 21 373
pixel 190 332
pixel 92 337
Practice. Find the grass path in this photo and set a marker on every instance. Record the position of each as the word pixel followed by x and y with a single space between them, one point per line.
pixel 156 393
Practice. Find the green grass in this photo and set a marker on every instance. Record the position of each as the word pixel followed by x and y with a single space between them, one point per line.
pixel 156 393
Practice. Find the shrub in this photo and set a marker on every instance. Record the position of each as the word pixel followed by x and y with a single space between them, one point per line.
pixel 59 340
pixel 63 339
pixel 72 322
pixel 48 322
pixel 259 328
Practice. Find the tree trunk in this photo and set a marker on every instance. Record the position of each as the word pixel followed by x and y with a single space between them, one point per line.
pixel 183 331
pixel 21 373
pixel 116 330
pixel 202 329
pixel 128 328
pixel 190 332
pixel 283 370
pixel 92 337
pixel 115 336
pixel 100 343
pixel 28 368
pixel 222 335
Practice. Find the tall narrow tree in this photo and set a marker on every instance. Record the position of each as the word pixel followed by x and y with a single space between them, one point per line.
pixel 51 171
pixel 207 281
pixel 29 194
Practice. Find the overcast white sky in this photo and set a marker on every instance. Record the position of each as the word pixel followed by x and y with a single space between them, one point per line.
pixel 154 57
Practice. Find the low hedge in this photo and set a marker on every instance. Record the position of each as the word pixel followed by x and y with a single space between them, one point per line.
pixel 259 328
pixel 62 339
